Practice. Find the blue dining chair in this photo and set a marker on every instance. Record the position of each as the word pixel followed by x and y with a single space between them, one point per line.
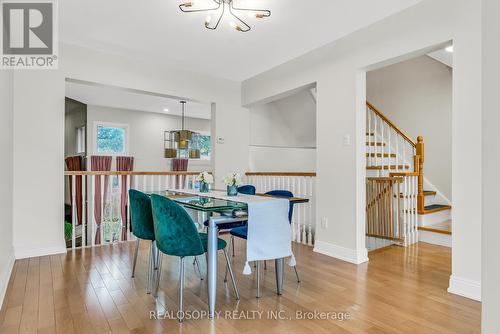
pixel 242 231
pixel 176 235
pixel 142 228
pixel 246 190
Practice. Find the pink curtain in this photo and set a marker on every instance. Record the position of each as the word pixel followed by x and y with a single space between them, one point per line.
pixel 179 165
pixel 125 164
pixel 99 163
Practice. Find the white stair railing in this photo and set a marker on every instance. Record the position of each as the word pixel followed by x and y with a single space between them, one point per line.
pixel 113 228
pixel 389 148
pixel 301 185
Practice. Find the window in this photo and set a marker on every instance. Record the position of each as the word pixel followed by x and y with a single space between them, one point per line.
pixel 80 139
pixel 111 138
pixel 205 145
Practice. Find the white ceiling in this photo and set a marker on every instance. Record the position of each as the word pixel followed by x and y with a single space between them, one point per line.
pixel 157 30
pixel 133 100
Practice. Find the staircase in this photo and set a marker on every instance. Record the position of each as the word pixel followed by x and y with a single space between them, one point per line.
pixel 399 210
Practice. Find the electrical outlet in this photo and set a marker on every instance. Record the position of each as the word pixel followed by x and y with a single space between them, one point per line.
pixel 324 223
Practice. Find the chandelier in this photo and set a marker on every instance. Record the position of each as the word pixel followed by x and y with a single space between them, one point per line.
pixel 220 8
pixel 182 143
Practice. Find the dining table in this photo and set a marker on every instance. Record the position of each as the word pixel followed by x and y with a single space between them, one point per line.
pixel 221 209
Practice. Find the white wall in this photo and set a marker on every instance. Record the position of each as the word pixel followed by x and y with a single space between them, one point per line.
pixel 416 95
pixel 339 71
pixel 38 163
pixel 6 172
pixel 39 132
pixel 491 161
pixel 283 134
pixel 145 136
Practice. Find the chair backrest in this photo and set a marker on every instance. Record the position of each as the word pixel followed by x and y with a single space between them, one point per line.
pixel 141 215
pixel 284 194
pixel 175 231
pixel 247 190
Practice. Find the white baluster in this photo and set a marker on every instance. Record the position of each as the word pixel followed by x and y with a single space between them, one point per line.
pixel 92 209
pixel 84 211
pixel 73 211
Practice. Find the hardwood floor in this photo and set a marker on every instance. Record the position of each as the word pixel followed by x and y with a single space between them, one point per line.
pixel 90 291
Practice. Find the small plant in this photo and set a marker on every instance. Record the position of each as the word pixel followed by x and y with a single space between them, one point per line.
pixel 68 231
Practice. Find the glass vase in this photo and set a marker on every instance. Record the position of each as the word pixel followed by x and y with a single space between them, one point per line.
pixel 232 190
pixel 204 188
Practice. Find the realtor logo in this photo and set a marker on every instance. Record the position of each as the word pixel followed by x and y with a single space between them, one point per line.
pixel 28 35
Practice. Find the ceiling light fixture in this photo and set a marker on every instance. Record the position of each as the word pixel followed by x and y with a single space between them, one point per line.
pixel 449 49
pixel 165 110
pixel 221 7
pixel 182 143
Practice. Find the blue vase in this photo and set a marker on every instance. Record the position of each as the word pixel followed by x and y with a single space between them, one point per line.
pixel 232 190
pixel 204 188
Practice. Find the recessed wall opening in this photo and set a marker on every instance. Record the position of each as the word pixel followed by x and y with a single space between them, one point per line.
pixel 116 129
pixel 409 151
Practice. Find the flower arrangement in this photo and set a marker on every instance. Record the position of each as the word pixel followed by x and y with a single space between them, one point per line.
pixel 232 181
pixel 205 178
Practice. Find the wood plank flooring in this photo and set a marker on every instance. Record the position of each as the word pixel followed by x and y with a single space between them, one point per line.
pixel 401 290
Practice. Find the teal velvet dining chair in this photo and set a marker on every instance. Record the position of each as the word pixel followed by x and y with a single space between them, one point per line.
pixel 176 235
pixel 143 229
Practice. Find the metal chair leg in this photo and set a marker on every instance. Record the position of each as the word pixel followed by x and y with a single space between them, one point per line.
pixel 150 269
pixel 225 275
pixel 197 263
pixel 258 279
pixel 158 274
pixel 232 243
pixel 135 256
pixel 181 293
pixel 296 274
pixel 228 266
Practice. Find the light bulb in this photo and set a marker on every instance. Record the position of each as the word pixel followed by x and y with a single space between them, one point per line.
pixel 232 24
pixel 165 110
pixel 207 20
pixel 449 49
pixel 188 4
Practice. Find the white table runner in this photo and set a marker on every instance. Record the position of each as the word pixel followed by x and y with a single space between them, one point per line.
pixel 269 232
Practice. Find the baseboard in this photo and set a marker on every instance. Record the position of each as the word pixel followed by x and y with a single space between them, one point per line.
pixel 342 253
pixel 5 278
pixel 465 288
pixel 23 253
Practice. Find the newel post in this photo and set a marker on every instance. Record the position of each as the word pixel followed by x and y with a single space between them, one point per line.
pixel 420 171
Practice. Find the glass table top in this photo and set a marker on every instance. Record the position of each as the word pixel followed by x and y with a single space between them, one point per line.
pixel 201 203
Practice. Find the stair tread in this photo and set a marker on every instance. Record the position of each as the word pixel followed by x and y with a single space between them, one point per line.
pixel 443 228
pixel 429 193
pixel 375 144
pixel 435 208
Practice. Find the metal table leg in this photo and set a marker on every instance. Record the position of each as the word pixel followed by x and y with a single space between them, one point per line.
pixel 279 263
pixel 212 266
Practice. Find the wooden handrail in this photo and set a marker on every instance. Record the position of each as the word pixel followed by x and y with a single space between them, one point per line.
pixel 82 173
pixel 391 124
pixel 280 174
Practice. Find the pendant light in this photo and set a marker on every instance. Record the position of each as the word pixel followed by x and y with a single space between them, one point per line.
pixel 182 143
